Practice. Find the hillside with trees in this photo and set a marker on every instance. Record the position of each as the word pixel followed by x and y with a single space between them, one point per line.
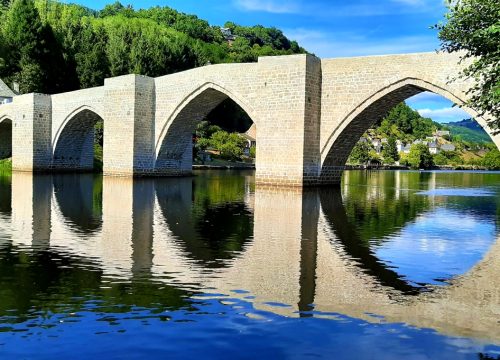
pixel 406 138
pixel 468 130
pixel 50 47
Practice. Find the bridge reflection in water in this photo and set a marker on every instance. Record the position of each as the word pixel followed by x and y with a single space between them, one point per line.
pixel 298 249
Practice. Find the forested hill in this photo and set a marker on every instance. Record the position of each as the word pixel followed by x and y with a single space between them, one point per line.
pixel 407 125
pixel 468 130
pixel 50 47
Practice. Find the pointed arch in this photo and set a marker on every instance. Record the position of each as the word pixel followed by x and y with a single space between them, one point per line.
pixel 371 110
pixel 73 145
pixel 173 150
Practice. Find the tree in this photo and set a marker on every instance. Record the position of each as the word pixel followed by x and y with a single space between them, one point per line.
pixel 34 58
pixel 22 31
pixel 360 154
pixel 473 27
pixel 492 160
pixel 390 151
pixel 420 157
pixel 229 145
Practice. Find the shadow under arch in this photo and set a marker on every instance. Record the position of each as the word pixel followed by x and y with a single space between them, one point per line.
pixel 371 110
pixel 5 194
pixel 197 214
pixel 79 199
pixel 5 152
pixel 74 142
pixel 346 232
pixel 174 147
pixel 5 137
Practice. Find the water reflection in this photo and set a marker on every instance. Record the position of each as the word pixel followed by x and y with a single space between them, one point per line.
pixel 79 198
pixel 113 245
pixel 210 220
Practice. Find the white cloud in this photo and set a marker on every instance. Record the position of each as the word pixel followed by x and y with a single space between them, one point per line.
pixel 329 45
pixel 320 9
pixel 445 114
pixel 270 6
pixel 426 96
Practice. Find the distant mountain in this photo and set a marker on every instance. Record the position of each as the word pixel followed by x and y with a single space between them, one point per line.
pixel 468 130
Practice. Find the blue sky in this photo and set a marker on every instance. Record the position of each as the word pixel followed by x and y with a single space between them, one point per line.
pixel 334 28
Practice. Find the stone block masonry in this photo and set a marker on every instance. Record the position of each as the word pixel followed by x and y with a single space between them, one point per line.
pixel 308 112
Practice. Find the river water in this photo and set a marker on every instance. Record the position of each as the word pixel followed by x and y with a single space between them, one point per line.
pixel 391 265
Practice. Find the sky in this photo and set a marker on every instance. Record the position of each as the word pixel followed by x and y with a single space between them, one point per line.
pixel 333 28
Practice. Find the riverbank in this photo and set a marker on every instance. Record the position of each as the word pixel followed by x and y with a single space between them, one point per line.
pixel 218 164
pixel 6 167
pixel 443 167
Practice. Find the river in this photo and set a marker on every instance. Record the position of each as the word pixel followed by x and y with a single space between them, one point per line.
pixel 391 265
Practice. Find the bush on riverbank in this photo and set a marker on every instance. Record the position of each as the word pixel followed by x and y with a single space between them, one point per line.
pixel 6 165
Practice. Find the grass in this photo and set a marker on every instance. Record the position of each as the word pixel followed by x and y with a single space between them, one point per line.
pixel 6 165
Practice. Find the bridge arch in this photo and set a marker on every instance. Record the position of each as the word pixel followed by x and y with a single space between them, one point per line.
pixel 173 150
pixel 73 145
pixel 372 109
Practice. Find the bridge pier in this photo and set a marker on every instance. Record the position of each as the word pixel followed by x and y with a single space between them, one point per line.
pixel 31 133
pixel 129 120
pixel 288 130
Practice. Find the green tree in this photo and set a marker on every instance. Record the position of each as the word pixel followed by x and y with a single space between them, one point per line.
pixel 92 65
pixel 492 160
pixel 390 151
pixel 360 154
pixel 230 145
pixel 473 27
pixel 205 129
pixel 34 58
pixel 420 157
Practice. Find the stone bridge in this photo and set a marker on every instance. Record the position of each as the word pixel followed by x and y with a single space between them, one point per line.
pixel 309 114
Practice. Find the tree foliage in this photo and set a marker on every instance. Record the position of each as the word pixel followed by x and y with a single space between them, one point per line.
pixel 48 46
pixel 390 151
pixel 473 27
pixel 230 145
pixel 403 122
pixel 32 57
pixel 360 154
pixel 420 157
pixel 492 160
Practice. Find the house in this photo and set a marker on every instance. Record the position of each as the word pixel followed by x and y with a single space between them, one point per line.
pixel 402 148
pixel 228 34
pixel 377 145
pixel 405 149
pixel 249 138
pixel 448 147
pixel 416 142
pixel 433 148
pixel 441 133
pixel 6 94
